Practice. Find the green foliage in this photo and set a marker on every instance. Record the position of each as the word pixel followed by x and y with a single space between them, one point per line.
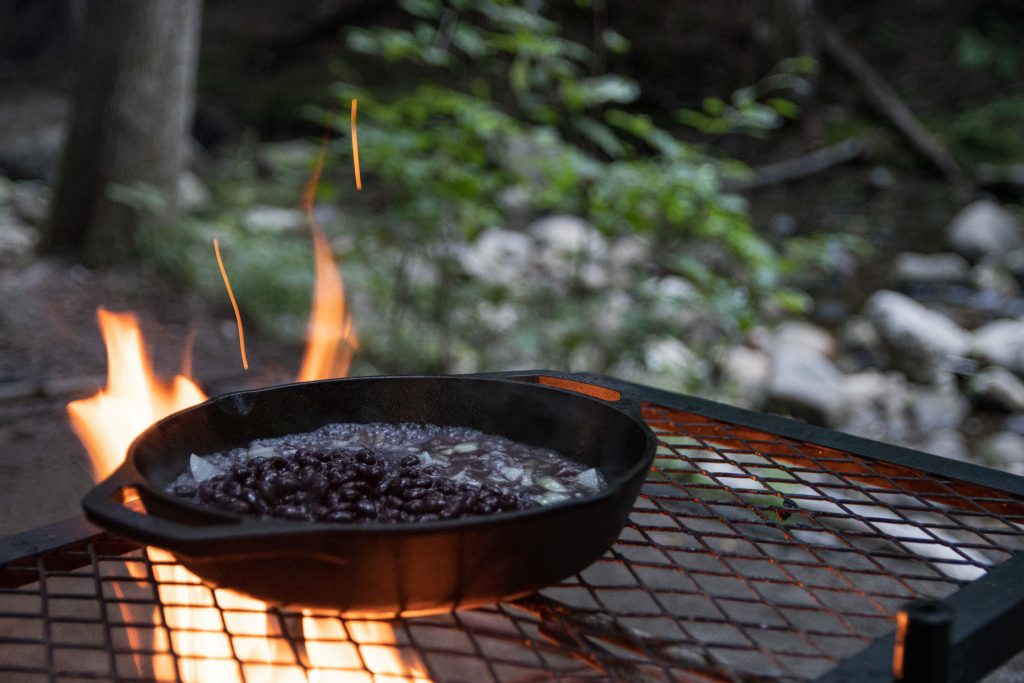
pixel 757 109
pixel 511 124
pixel 992 132
pixel 506 123
pixel 997 48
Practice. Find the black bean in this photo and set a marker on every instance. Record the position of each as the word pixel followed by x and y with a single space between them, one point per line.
pixel 366 508
pixel 366 457
pixel 409 461
pixel 340 516
pixel 288 483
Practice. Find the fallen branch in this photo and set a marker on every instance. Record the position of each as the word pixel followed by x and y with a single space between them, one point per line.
pixel 793 169
pixel 889 105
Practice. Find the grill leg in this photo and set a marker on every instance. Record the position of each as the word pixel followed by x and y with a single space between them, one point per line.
pixel 921 652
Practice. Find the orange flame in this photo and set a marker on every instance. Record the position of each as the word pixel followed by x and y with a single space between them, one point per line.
pixel 331 339
pixel 355 148
pixel 234 304
pixel 133 399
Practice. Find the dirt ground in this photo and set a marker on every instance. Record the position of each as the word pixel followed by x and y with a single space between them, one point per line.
pixel 51 352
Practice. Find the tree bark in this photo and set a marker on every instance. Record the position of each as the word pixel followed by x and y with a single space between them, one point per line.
pixel 129 128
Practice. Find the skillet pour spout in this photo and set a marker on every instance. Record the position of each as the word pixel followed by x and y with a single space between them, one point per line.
pixel 393 568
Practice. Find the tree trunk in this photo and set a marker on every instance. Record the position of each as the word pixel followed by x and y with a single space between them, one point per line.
pixel 128 140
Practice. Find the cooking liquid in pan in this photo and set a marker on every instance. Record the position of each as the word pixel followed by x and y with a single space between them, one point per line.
pixel 384 473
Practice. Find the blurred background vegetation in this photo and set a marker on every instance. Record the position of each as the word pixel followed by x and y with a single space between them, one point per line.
pixel 644 190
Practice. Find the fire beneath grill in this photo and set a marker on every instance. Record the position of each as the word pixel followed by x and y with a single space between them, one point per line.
pixel 749 556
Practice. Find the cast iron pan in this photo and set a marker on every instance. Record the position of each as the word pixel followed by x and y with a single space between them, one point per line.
pixel 405 568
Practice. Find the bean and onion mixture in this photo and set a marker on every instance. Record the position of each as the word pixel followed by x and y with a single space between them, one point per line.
pixel 384 473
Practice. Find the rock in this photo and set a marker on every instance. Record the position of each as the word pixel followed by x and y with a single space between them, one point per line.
pixel 499 256
pixel 192 193
pixel 806 335
pixel 984 228
pixel 568 247
pixel 1004 450
pixel 273 219
pixel 672 358
pixel 998 388
pixel 949 443
pixel 990 276
pixel 30 200
pixel 874 405
pixel 16 239
pixel 1000 342
pixel 746 370
pixel 568 236
pixel 921 342
pixel 938 406
pixel 1014 423
pixel 858 334
pixel 910 268
pixel 803 382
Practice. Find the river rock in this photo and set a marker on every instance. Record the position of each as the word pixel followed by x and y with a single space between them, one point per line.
pixel 938 406
pixel 921 342
pixel 1004 450
pixel 499 256
pixel 910 268
pixel 949 443
pixel 806 335
pixel 1000 342
pixel 804 383
pixel 273 219
pixel 984 228
pixel 192 193
pixel 16 239
pixel 30 200
pixel 746 370
pixel 997 387
pixel 991 276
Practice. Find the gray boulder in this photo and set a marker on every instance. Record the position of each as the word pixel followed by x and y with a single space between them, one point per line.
pixel 746 370
pixel 984 228
pixel 1004 450
pixel 921 342
pixel 804 383
pixel 938 406
pixel 799 333
pixel 910 268
pixel 996 387
pixel 1000 342
pixel 949 443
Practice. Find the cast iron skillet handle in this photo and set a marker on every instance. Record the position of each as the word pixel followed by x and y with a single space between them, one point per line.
pixel 103 505
pixel 602 388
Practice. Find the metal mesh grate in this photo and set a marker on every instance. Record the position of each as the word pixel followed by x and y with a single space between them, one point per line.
pixel 748 557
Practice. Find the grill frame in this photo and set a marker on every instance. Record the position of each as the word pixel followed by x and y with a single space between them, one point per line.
pixel 987 610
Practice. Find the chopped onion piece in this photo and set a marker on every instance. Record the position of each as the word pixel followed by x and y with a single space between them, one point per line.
pixel 203 470
pixel 260 452
pixel 425 459
pixel 465 447
pixel 551 484
pixel 512 473
pixel 550 497
pixel 589 478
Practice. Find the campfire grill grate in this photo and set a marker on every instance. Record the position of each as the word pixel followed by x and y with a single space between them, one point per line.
pixel 760 549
